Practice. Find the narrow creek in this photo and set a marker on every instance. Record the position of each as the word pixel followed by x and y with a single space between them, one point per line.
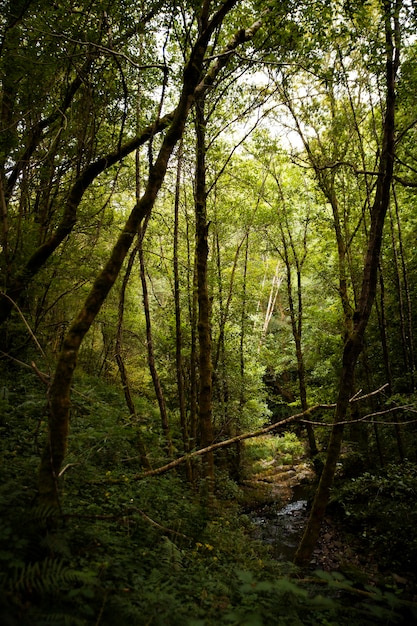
pixel 280 526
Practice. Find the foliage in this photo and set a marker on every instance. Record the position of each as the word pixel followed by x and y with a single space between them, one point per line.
pixel 285 449
pixel 79 83
pixel 148 551
pixel 380 508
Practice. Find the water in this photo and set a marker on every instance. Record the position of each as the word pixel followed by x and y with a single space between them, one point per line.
pixel 280 527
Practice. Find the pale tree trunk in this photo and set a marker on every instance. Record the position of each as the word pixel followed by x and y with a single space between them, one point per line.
pixel 149 341
pixel 121 364
pixel 354 342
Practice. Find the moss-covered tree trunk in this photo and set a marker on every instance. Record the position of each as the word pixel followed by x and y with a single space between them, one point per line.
pixel 354 342
pixel 59 393
pixel 178 330
pixel 195 82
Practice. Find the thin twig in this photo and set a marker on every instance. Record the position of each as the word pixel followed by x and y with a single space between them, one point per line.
pixel 124 515
pixel 32 334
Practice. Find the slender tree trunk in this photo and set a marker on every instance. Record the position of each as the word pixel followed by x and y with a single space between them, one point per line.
pixel 242 395
pixel 296 325
pixel 382 319
pixel 409 325
pixel 354 343
pixel 387 366
pixel 291 256
pixel 194 362
pixel 178 330
pixel 121 365
pixel 149 341
pixel 204 313
pixel 401 310
pixel 219 371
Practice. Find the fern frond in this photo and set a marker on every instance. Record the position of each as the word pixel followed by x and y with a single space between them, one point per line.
pixel 46 577
pixel 43 512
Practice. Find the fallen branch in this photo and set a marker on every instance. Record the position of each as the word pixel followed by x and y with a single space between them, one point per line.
pixel 229 442
pixel 257 433
pixel 405 407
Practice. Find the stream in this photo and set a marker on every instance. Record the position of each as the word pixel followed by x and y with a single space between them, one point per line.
pixel 280 526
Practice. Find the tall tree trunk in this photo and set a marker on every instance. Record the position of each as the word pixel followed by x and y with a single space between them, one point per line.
pixel 178 331
pixel 296 315
pixel 401 309
pixel 194 361
pixel 205 398
pixel 242 395
pixel 291 256
pixel 149 341
pixel 409 325
pixel 354 342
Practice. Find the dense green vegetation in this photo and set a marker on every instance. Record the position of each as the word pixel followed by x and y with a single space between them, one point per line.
pixel 207 222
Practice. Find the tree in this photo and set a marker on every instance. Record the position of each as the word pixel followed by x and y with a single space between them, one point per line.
pixel 194 82
pixel 354 341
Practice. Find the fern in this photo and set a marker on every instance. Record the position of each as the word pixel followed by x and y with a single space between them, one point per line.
pixel 43 513
pixel 46 577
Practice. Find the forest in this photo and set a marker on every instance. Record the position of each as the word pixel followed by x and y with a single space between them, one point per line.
pixel 208 302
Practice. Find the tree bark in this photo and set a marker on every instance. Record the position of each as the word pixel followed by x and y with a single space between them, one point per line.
pixel 354 342
pixel 178 330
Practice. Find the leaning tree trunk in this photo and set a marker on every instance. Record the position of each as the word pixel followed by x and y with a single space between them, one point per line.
pixel 194 82
pixel 59 393
pixel 354 342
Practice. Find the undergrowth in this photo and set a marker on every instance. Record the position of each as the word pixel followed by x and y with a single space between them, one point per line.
pixel 145 552
pixel 380 507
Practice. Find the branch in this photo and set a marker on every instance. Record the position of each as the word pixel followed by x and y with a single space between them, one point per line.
pixel 262 431
pixel 229 442
pixel 394 409
pixel 39 257
pixel 357 398
pixel 241 36
pixel 26 323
